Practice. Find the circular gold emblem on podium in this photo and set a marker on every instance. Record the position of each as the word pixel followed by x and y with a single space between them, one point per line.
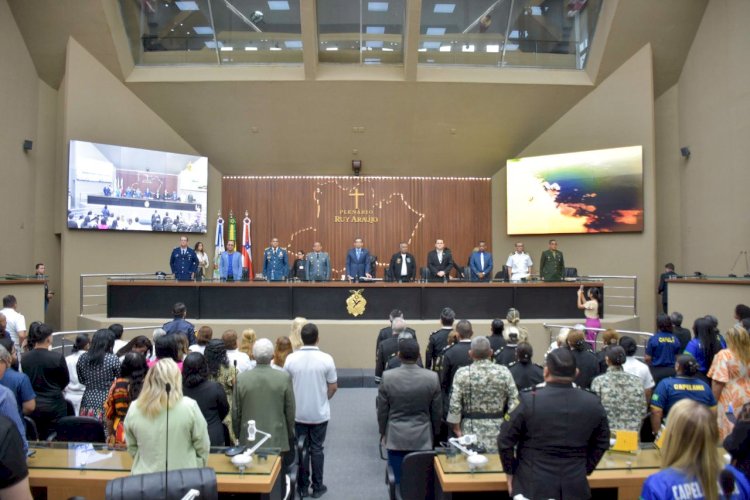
pixel 355 304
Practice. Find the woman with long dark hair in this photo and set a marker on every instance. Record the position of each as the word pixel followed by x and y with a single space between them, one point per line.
pixel 123 392
pixel 49 376
pixel 210 396
pixel 588 302
pixel 140 344
pixel 97 369
pixel 219 370
pixel 74 390
pixel 704 346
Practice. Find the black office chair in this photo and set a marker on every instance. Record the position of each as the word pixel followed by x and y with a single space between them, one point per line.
pixel 152 485
pixel 424 272
pixel 374 266
pixel 388 275
pixel 78 430
pixel 502 274
pixel 417 477
pixel 70 410
pixel 571 272
pixel 32 434
pixel 465 274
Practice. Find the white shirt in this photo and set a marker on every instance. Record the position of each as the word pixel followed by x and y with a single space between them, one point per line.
pixel 244 363
pixel 311 370
pixel 201 349
pixel 440 257
pixel 74 386
pixel 119 344
pixel 519 264
pixel 404 272
pixel 16 323
pixel 640 369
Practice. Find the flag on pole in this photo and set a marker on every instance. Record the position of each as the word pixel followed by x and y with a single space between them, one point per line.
pixel 247 258
pixel 218 245
pixel 232 229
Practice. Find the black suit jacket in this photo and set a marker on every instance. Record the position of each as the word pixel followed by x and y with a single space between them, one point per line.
pixel 411 267
pixel 435 265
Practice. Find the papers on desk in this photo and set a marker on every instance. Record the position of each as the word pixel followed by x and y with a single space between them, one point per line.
pixel 85 455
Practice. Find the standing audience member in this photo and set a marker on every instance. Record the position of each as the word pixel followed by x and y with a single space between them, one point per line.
pixel 219 370
pixel 201 271
pixel 15 321
pixel 246 342
pixel 692 466
pixel 555 437
pixel 589 303
pixel 210 396
pixel 125 389
pixel 388 348
pixel 682 334
pixel 496 338
pixel 560 341
pixel 180 324
pixel 729 374
pixel 704 346
pixel 8 407
pixel 97 368
pixel 610 337
pixel 281 351
pixel 507 353
pixel 146 424
pixel 738 442
pixel 14 474
pixel 454 358
pixel 438 341
pixel 183 348
pixel 409 407
pixel 166 347
pixel 662 349
pixel 48 373
pixel 620 392
pixel 637 367
pixel 18 383
pixel 266 396
pixel 158 332
pixel 140 344
pixel 685 385
pixel 387 332
pixel 525 373
pixel 202 338
pixel 236 358
pixel 314 380
pixel 118 330
pixel 663 285
pixel 741 312
pixel 482 394
pixel 295 330
pixel 586 362
pixel 514 325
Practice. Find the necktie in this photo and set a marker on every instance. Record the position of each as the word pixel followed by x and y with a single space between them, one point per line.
pixel 183 251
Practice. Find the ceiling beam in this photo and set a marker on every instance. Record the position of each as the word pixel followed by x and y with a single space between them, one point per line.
pixel 411 38
pixel 309 27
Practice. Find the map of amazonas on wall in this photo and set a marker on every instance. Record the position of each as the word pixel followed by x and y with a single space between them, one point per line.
pixel 597 191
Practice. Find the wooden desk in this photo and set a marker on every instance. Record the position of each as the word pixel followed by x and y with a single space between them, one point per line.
pixel 55 470
pixel 622 471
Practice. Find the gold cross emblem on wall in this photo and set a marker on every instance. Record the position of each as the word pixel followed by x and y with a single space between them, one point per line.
pixel 356 195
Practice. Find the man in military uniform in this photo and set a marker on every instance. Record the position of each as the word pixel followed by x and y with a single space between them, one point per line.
pixel 552 264
pixel 519 264
pixel 183 261
pixel 433 359
pixel 318 264
pixel 275 262
pixel 482 394
pixel 454 358
pixel 555 437
pixel 385 333
pixel 620 392
pixel 389 347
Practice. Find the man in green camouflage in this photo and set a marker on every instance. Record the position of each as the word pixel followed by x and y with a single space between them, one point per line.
pixel 482 394
pixel 621 393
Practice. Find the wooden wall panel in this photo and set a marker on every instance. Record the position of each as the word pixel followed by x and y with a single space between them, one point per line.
pixel 302 210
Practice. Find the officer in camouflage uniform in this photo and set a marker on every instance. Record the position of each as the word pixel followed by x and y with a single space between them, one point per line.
pixel 621 393
pixel 483 393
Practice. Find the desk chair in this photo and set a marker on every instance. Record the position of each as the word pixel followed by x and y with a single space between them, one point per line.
pixel 417 477
pixel 32 434
pixel 181 481
pixel 571 272
pixel 78 430
pixel 502 275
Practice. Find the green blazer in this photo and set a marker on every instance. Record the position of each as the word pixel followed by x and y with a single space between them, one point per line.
pixel 265 395
pixel 552 265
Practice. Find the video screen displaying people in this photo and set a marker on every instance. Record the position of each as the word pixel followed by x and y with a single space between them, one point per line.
pixel 586 192
pixel 117 188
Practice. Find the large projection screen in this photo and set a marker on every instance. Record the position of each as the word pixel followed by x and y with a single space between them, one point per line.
pixel 597 191
pixel 120 188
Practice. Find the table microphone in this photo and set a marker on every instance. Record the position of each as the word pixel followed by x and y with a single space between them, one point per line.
pixel 168 388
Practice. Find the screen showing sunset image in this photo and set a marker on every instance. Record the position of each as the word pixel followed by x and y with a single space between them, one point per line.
pixel 585 192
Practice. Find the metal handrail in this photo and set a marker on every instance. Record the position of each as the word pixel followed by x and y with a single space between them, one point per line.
pixel 84 286
pixel 76 332
pixel 632 332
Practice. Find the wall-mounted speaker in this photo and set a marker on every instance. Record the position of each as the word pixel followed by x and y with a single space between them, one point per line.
pixel 685 152
pixel 27 145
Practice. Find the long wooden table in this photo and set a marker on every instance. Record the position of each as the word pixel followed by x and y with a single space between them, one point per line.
pixel 621 471
pixel 287 300
pixel 60 472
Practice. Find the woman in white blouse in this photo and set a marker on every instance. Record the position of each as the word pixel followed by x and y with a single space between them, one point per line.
pixel 203 263
pixel 74 391
pixel 590 309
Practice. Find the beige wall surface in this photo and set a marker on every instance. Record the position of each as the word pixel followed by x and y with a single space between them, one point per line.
pixel 714 122
pixel 99 108
pixel 27 111
pixel 695 300
pixel 620 112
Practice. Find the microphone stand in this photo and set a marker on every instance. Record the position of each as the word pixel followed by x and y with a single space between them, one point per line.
pixel 168 388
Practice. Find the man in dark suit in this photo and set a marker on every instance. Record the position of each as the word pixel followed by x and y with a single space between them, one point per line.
pixel 179 324
pixel 183 261
pixel 409 407
pixel 385 333
pixel 454 358
pixel 665 276
pixel 403 266
pixel 358 262
pixel 440 262
pixel 555 437
pixel 388 348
